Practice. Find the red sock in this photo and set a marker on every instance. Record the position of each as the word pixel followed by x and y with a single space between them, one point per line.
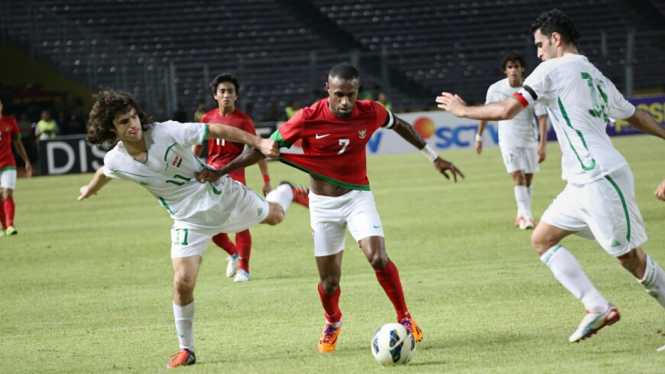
pixel 331 304
pixel 389 280
pixel 244 244
pixel 9 211
pixel 222 240
pixel 3 219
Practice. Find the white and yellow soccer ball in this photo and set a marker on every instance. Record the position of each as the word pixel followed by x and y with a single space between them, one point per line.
pixel 393 344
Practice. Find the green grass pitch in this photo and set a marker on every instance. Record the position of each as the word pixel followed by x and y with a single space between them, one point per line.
pixel 87 286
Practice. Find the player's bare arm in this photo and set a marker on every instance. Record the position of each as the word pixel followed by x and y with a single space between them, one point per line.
pixel 263 167
pixel 98 181
pixel 197 149
pixel 542 127
pixel 219 131
pixel 503 110
pixel 250 157
pixel 21 152
pixel 660 191
pixel 643 121
pixel 479 142
pixel 408 133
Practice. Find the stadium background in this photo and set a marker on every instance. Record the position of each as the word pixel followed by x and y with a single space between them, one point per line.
pixel 86 286
pixel 56 53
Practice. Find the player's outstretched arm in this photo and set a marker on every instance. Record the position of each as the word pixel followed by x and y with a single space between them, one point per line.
pixel 643 121
pixel 263 167
pixel 491 112
pixel 219 131
pixel 542 126
pixel 98 181
pixel 21 152
pixel 408 133
pixel 250 157
pixel 479 134
pixel 660 191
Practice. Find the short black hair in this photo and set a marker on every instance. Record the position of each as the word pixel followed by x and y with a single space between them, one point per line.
pixel 344 71
pixel 512 57
pixel 224 77
pixel 556 21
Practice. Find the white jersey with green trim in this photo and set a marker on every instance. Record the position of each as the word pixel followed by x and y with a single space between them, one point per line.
pixel 579 100
pixel 522 130
pixel 168 173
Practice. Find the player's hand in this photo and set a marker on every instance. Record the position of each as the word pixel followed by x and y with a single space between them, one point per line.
pixel 442 166
pixel 28 170
pixel 541 153
pixel 266 188
pixel 660 191
pixel 85 193
pixel 453 104
pixel 269 148
pixel 479 147
pixel 208 175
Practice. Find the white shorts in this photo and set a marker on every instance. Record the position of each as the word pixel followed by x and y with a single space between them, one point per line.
pixel 250 210
pixel 329 217
pixel 8 179
pixel 519 158
pixel 604 210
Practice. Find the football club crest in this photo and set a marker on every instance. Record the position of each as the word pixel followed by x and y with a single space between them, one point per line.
pixel 362 133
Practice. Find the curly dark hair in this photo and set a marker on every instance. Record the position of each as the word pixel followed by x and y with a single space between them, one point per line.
pixel 556 21
pixel 512 57
pixel 108 104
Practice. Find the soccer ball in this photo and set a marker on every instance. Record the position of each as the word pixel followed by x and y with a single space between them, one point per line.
pixel 393 344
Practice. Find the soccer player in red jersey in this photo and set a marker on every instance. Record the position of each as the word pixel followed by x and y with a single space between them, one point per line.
pixel 225 89
pixel 334 134
pixel 9 134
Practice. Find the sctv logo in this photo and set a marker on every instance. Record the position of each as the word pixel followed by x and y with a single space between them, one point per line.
pixel 444 136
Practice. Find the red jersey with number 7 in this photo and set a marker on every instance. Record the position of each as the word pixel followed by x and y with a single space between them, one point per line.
pixel 334 148
pixel 8 132
pixel 220 151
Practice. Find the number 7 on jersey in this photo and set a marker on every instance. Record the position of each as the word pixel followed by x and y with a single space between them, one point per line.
pixel 344 143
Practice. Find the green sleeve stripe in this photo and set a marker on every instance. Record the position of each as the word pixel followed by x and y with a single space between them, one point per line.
pixel 16 137
pixel 205 133
pixel 277 136
pixel 364 187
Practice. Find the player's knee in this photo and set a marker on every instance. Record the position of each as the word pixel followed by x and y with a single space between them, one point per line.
pixel 633 261
pixel 540 243
pixel 275 216
pixel 6 194
pixel 330 284
pixel 378 260
pixel 184 284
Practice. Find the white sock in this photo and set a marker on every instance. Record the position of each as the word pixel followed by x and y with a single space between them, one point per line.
pixel 530 188
pixel 568 272
pixel 184 325
pixel 282 195
pixel 523 202
pixel 654 281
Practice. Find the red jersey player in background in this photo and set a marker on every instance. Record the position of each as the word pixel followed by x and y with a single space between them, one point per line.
pixel 9 133
pixel 334 134
pixel 224 89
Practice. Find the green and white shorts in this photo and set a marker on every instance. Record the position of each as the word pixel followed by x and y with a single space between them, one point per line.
pixel 604 210
pixel 250 209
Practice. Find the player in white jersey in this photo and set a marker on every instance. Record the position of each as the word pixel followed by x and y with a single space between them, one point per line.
pixel 158 157
pixel 518 137
pixel 599 200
